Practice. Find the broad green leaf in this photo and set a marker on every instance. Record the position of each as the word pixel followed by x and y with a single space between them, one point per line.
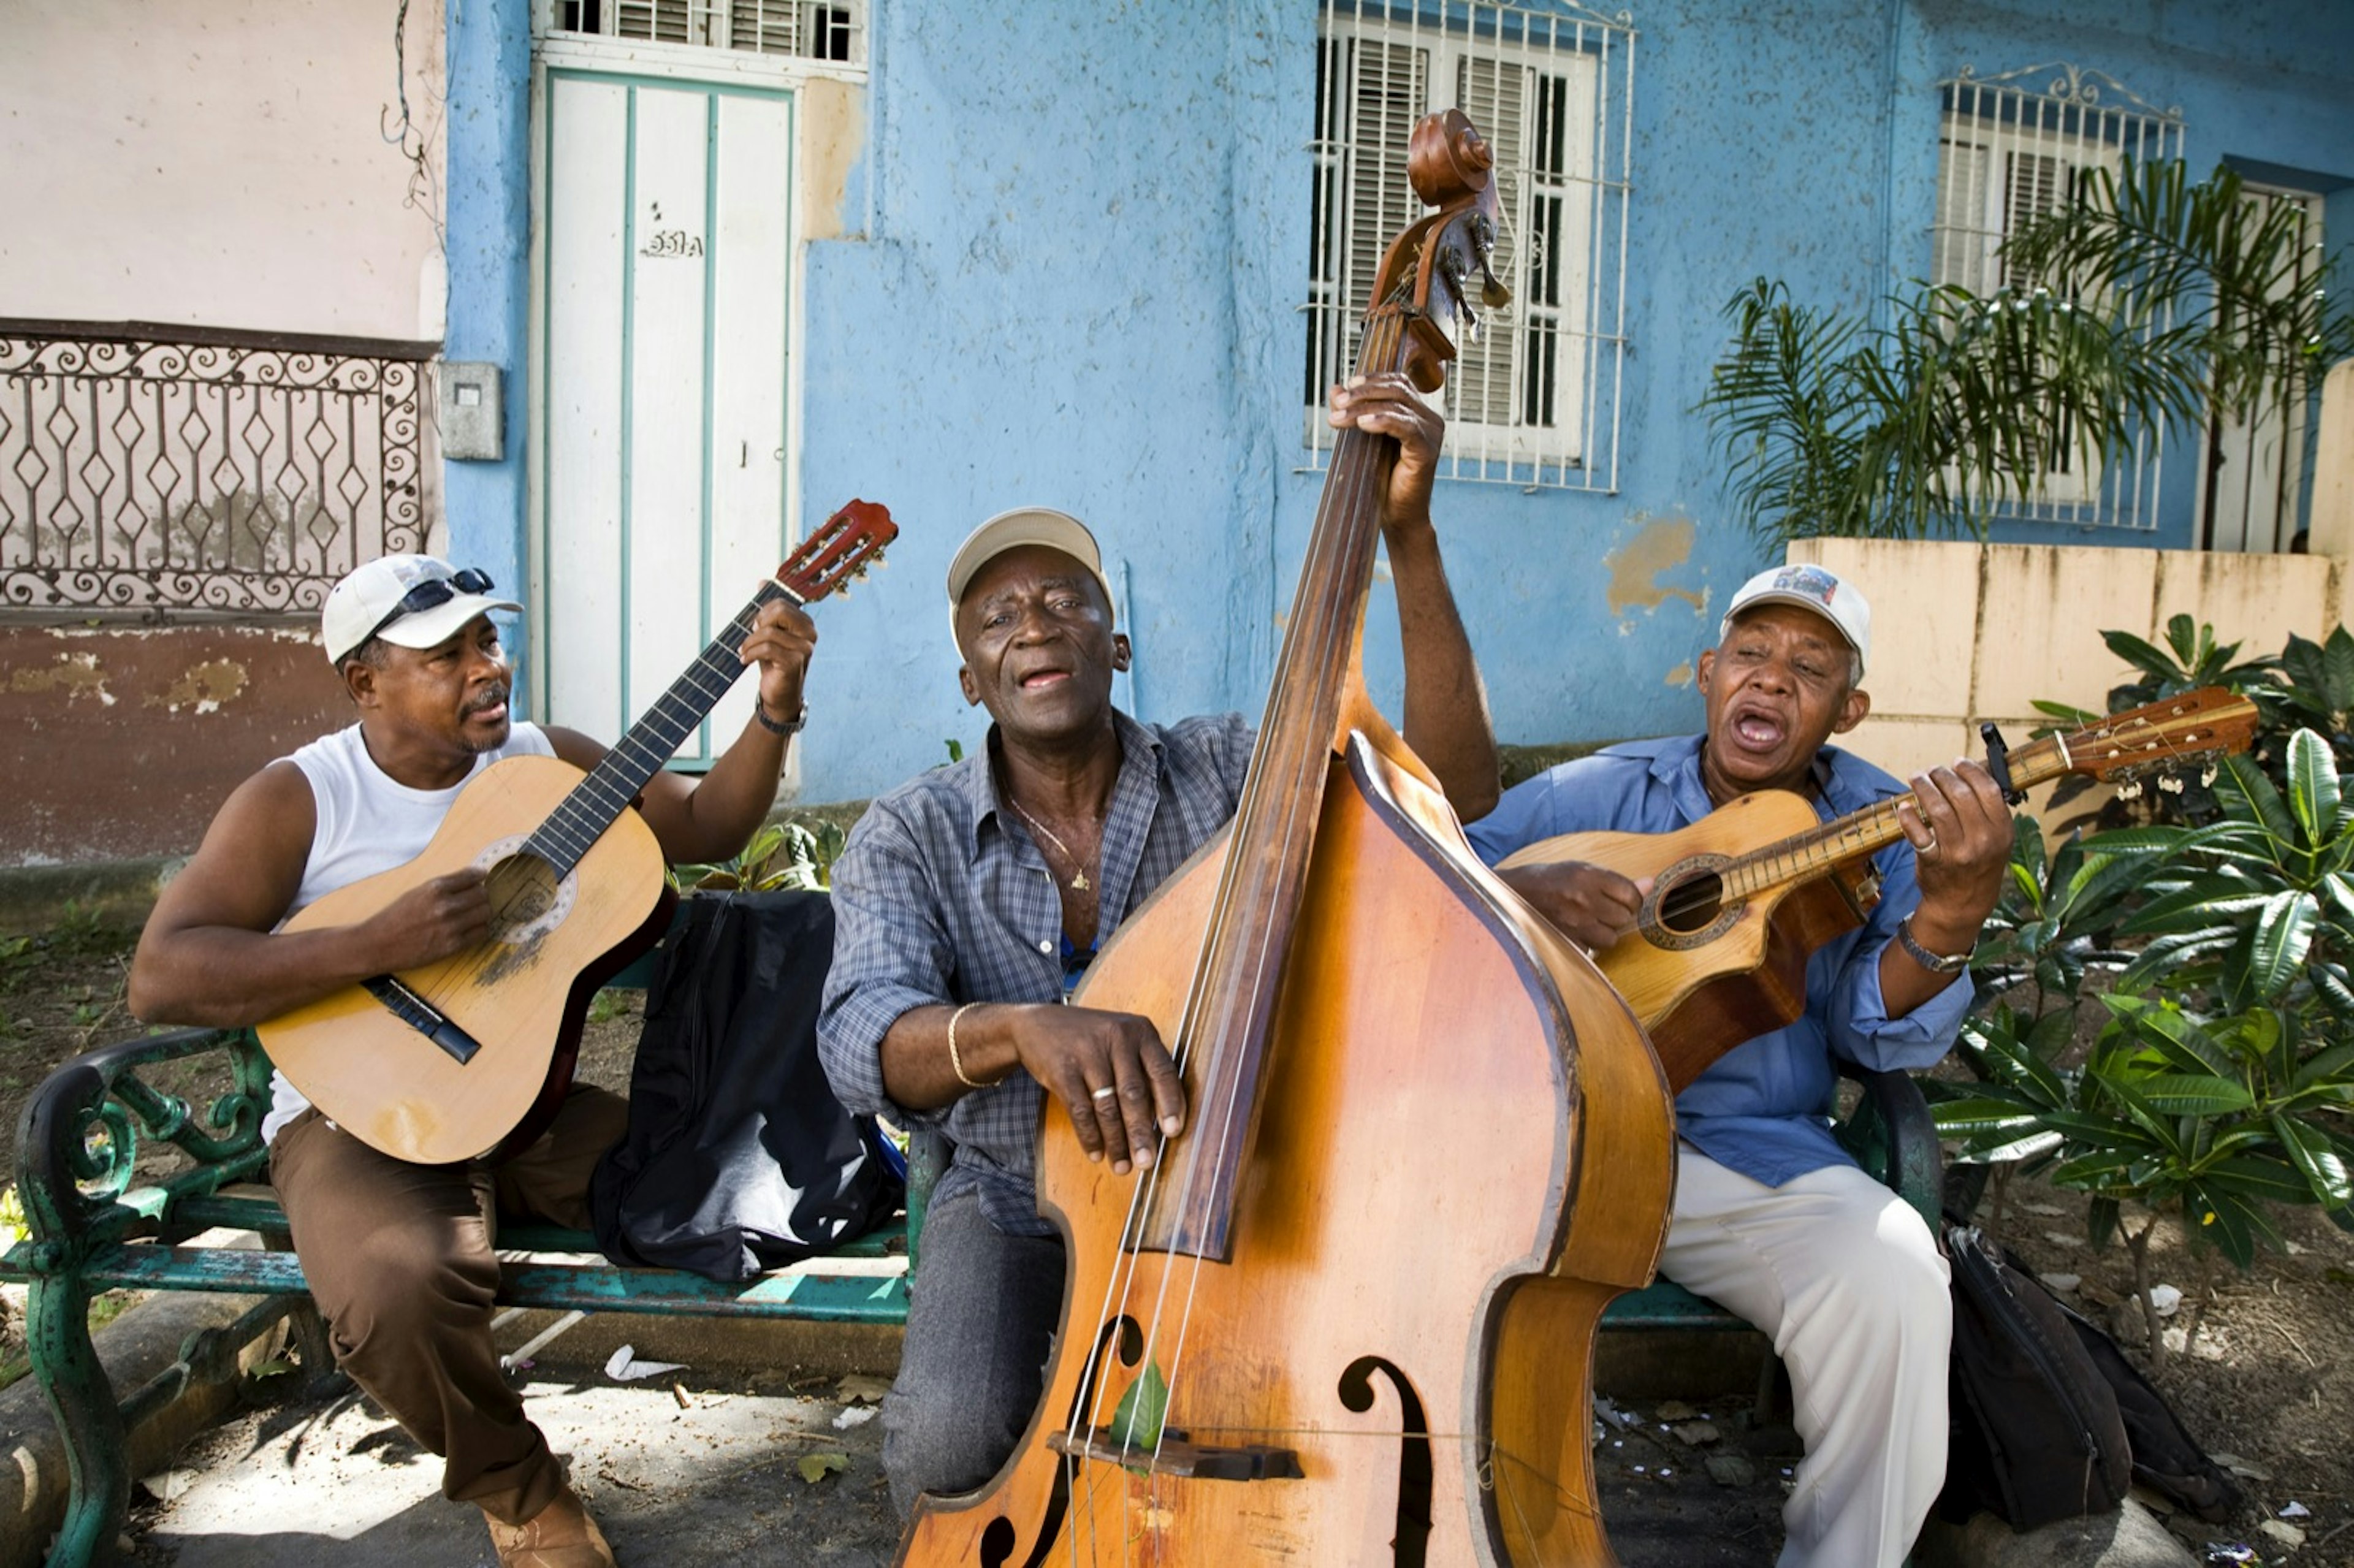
pixel 2319 1069
pixel 2267 1177
pixel 1136 1423
pixel 2181 1094
pixel 2245 789
pixel 2179 1035
pixel 2231 1223
pixel 2140 654
pixel 2099 1131
pixel 2319 1160
pixel 2313 785
pixel 2276 948
pixel 2160 1126
pixel 2203 905
pixel 1963 1118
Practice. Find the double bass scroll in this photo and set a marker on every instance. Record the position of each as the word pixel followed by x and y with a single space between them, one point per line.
pixel 1347 1316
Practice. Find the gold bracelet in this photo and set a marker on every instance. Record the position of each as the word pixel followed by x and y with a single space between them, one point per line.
pixel 955 1063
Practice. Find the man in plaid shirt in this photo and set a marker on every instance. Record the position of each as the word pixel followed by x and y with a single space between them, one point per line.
pixel 970 899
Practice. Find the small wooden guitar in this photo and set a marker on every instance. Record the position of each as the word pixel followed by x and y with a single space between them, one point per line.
pixel 471 1055
pixel 1741 898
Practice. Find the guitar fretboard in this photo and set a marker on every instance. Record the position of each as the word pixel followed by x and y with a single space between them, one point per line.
pixel 1811 854
pixel 582 816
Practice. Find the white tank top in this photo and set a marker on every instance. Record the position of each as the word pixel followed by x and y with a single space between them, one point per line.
pixel 367 822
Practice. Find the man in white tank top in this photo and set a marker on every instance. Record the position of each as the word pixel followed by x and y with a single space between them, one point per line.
pixel 399 1256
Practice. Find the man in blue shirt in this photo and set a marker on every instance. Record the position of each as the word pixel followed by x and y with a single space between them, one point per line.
pixel 1771 1218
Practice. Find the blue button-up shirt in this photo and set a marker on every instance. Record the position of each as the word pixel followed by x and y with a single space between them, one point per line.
pixel 942 897
pixel 1764 1108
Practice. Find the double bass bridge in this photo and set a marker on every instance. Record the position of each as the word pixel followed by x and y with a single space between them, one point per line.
pixel 1175 1456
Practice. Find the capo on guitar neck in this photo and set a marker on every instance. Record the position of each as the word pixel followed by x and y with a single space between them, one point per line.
pixel 1998 762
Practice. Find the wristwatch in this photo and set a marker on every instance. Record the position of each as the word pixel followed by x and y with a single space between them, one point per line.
pixel 790 727
pixel 1932 962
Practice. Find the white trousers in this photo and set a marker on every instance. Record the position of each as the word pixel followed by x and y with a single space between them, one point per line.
pixel 1844 1277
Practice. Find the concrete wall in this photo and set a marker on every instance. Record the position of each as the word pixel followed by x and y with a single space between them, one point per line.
pixel 119 744
pixel 1962 633
pixel 220 164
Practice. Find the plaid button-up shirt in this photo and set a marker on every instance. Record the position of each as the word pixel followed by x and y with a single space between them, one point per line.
pixel 942 897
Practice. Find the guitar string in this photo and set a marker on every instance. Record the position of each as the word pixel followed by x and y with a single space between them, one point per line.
pixel 1874 826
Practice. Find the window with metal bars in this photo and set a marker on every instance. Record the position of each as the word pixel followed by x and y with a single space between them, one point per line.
pixel 805 29
pixel 2011 148
pixel 1532 397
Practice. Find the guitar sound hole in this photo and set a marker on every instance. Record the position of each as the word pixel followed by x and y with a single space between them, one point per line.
pixel 523 887
pixel 1693 904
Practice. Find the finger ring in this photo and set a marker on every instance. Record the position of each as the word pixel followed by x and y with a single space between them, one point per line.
pixel 1106 1092
pixel 1932 844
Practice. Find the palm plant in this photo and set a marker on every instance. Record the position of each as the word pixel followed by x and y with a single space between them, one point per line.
pixel 2161 301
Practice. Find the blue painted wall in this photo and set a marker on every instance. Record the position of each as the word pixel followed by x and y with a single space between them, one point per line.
pixel 1075 244
pixel 489 228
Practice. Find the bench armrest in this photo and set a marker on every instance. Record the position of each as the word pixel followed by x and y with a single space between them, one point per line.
pixel 1892 1136
pixel 77 1145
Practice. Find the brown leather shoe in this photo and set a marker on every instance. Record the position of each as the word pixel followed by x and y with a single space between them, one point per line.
pixel 560 1535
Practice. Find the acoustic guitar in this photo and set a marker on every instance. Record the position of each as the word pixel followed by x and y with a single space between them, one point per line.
pixel 471 1055
pixel 1741 898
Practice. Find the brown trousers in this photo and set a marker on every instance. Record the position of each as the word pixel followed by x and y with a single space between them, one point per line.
pixel 399 1259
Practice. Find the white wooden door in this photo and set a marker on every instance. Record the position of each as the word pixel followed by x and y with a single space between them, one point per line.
pixel 662 451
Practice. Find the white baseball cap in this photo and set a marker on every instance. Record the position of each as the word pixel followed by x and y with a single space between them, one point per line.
pixel 1809 587
pixel 1010 531
pixel 413 600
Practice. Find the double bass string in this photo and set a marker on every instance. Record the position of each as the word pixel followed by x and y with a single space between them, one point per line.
pixel 1355 476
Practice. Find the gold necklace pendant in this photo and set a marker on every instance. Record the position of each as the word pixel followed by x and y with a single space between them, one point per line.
pixel 1079 883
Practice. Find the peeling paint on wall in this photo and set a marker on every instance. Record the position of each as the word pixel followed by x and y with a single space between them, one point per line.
pixel 76 674
pixel 1636 567
pixel 1681 675
pixel 204 688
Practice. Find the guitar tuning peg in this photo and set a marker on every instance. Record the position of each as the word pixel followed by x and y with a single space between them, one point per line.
pixel 2129 791
pixel 2207 775
pixel 2171 783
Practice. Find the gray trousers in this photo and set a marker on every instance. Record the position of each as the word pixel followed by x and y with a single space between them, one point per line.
pixel 980 1319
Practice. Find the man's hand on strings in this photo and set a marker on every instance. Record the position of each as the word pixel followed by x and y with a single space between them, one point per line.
pixel 1113 1075
pixel 1387 405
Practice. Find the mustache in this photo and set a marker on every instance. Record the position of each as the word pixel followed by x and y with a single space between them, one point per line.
pixel 491 699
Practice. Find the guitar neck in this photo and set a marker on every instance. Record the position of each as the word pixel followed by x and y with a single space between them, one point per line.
pixel 1803 856
pixel 597 800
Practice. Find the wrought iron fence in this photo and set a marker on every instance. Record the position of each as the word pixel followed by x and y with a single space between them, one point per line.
pixel 148 469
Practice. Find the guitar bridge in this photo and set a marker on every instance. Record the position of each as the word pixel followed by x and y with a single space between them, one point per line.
pixel 423 1016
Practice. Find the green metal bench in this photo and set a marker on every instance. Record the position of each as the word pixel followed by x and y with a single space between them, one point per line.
pixel 97 1227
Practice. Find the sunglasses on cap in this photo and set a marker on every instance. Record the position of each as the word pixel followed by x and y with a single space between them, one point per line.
pixel 430 594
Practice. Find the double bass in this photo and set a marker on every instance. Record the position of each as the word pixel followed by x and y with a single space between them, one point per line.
pixel 1347 1315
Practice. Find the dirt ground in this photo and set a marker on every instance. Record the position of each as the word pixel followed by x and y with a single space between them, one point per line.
pixel 2261 1369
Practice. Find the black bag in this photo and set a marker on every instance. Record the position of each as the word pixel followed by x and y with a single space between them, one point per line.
pixel 2166 1458
pixel 2037 1436
pixel 739 1158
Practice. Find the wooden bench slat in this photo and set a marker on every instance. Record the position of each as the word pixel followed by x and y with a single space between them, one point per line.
pixel 806 1294
pixel 248 1212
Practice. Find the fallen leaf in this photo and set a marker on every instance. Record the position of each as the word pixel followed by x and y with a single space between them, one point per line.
pixel 815 1467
